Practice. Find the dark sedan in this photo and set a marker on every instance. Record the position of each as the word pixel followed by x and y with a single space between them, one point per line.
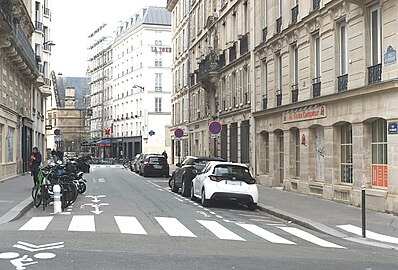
pixel 186 171
pixel 155 165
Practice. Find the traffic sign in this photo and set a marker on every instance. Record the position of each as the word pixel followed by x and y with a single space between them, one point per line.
pixel 215 127
pixel 57 132
pixel 215 136
pixel 179 133
pixel 49 127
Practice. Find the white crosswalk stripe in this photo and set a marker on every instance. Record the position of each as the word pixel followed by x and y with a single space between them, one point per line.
pixel 129 225
pixel 369 234
pixel 173 227
pixel 269 236
pixel 36 224
pixel 82 224
pixel 309 237
pixel 220 231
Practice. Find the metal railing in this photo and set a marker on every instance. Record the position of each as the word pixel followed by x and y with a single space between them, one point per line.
pixel 39 26
pixel 244 44
pixel 232 53
pixel 265 102
pixel 374 74
pixel 278 97
pixel 279 25
pixel 316 4
pixel 265 32
pixel 47 47
pixel 209 64
pixel 316 87
pixel 295 11
pixel 47 81
pixel 342 82
pixel 47 12
pixel 221 59
pixel 295 92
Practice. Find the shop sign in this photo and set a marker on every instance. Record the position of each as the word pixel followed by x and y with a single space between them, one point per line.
pixel 380 175
pixel 390 56
pixel 392 128
pixel 306 113
pixel 161 49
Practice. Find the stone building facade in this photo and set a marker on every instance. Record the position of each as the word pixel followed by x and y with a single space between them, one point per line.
pixel 321 91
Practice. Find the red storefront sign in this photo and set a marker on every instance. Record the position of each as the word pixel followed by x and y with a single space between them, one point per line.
pixel 306 113
pixel 380 175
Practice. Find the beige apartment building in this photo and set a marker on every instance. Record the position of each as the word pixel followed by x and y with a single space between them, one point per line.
pixel 321 84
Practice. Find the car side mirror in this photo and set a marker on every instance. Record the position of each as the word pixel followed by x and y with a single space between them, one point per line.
pixel 178 165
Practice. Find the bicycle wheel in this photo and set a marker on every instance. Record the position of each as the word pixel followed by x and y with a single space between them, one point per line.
pixel 37 198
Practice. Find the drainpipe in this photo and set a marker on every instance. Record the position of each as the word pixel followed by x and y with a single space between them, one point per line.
pixel 188 69
pixel 253 88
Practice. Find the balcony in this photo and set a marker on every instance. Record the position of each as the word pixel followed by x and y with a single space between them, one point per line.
pixel 342 83
pixel 47 47
pixel 316 4
pixel 295 92
pixel 295 11
pixel 264 32
pixel 278 97
pixel 316 87
pixel 47 81
pixel 232 53
pixel 221 59
pixel 265 102
pixel 278 25
pixel 244 44
pixel 374 74
pixel 39 26
pixel 208 65
pixel 47 12
pixel 41 68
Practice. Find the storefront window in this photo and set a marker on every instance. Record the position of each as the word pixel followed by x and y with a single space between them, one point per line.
pixel 10 145
pixel 346 153
pixel 379 153
pixel 297 152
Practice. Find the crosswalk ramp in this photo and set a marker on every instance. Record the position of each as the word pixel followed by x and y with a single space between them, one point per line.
pixel 175 228
pixel 369 234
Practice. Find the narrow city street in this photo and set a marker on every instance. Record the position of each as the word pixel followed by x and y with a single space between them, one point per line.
pixel 126 221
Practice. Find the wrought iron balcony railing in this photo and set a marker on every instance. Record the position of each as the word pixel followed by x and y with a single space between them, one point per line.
pixel 244 44
pixel 279 25
pixel 47 47
pixel 316 4
pixel 39 26
pixel 295 11
pixel 374 74
pixel 232 53
pixel 316 87
pixel 209 64
pixel 278 97
pixel 47 12
pixel 295 92
pixel 265 102
pixel 342 82
pixel 47 81
pixel 265 32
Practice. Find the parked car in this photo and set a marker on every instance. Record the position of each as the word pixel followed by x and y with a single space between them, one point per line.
pixel 225 181
pixel 134 164
pixel 155 165
pixel 186 171
pixel 140 161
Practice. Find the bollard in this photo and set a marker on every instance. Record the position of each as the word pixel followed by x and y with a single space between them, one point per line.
pixel 57 199
pixel 363 212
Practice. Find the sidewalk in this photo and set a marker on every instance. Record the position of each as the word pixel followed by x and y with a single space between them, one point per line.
pixel 15 197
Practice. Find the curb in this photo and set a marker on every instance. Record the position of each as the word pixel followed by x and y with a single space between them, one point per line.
pixel 307 223
pixel 17 211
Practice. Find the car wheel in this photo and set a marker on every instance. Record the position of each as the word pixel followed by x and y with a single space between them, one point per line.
pixel 185 190
pixel 144 173
pixel 252 206
pixel 204 201
pixel 173 186
pixel 193 197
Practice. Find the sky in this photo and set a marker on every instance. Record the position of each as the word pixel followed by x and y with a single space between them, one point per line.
pixel 72 22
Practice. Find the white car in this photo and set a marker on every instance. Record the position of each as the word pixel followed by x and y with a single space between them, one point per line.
pixel 225 181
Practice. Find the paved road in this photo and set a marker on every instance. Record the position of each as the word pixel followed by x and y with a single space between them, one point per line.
pixel 125 221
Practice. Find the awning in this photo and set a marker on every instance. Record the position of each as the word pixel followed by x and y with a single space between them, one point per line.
pixel 89 142
pixel 105 142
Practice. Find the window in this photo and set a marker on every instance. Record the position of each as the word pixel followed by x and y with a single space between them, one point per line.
pixel 279 81
pixel 158 81
pixel 1 143
pixel 10 144
pixel 346 153
pixel 224 142
pixel 343 49
pixel 317 56
pixel 246 18
pixel 265 13
pixel 233 155
pixel 244 141
pixel 266 140
pixel 158 104
pixel 297 152
pixel 265 85
pixel 379 153
pixel 375 36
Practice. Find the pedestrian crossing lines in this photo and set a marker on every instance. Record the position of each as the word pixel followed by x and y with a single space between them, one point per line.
pixel 175 228
pixel 369 234
pixel 106 166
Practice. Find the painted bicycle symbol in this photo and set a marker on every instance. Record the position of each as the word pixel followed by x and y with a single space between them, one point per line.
pixel 22 261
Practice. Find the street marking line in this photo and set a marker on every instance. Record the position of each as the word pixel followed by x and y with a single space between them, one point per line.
pixel 309 237
pixel 173 227
pixel 129 225
pixel 269 236
pixel 369 234
pixel 101 180
pixel 36 224
pixel 82 224
pixel 219 230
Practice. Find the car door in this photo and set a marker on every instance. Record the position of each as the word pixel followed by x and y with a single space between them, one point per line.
pixel 179 171
pixel 200 179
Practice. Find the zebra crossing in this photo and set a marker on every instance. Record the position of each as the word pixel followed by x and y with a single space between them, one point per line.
pixel 175 228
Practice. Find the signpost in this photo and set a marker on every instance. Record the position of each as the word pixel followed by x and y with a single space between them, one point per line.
pixel 57 138
pixel 178 133
pixel 215 129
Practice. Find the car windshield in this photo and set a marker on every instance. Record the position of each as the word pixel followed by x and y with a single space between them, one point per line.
pixel 157 160
pixel 199 164
pixel 232 171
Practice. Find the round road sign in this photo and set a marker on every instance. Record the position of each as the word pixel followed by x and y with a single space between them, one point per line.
pixel 215 127
pixel 178 133
pixel 57 132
